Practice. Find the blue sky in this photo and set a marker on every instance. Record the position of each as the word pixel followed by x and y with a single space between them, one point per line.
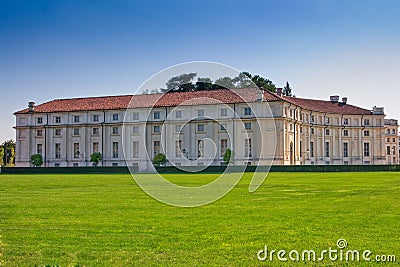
pixel 56 49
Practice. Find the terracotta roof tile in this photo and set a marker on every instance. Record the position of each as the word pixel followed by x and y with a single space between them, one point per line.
pixel 189 98
pixel 327 106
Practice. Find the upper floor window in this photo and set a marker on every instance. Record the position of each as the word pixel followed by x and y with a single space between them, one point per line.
pixel 178 114
pixel 223 126
pixel 156 128
pixel 312 131
pixel 57 119
pixel 135 116
pixel 39 120
pixel 95 118
pixel 247 111
pixel 224 112
pixel 327 132
pixel 39 133
pixel 247 125
pixel 156 115
pixel 366 133
pixel 200 127
pixel 327 120
pixel 115 117
pixel 76 131
pixel 57 132
pixel 95 131
pixel 135 129
pixel 115 130
pixel 312 119
pixel 200 113
pixel 393 131
pixel 366 122
pixel 346 121
pixel 345 132
pixel 76 118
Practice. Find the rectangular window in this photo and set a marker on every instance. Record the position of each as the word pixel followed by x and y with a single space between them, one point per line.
pixel 394 140
pixel 200 127
pixel 200 148
pixel 247 125
pixel 388 150
pixel 76 150
pixel 312 131
pixel 366 122
pixel 115 117
pixel 115 150
pixel 394 150
pixel 56 164
pixel 57 150
pixel 115 130
pixel 156 115
pixel 178 114
pixel 346 121
pixel 156 147
pixel 345 150
pixel 57 132
pixel 95 147
pixel 135 116
pixel 223 126
pixel 200 113
pixel 156 129
pixel 327 153
pixel 178 128
pixel 178 147
pixel 135 129
pixel 224 112
pixel 76 118
pixel 366 149
pixel 247 148
pixel 327 132
pixel 95 131
pixel 135 151
pixel 223 146
pixel 39 149
pixel 39 120
pixel 312 119
pixel 247 111
pixel 366 133
pixel 39 133
pixel 393 131
pixel 76 131
pixel 327 120
pixel 57 119
pixel 312 149
pixel 345 132
pixel 95 118
pixel 75 164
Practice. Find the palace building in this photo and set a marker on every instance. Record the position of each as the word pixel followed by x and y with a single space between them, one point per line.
pixel 196 128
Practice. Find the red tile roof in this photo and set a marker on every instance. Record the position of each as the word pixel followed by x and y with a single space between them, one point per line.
pixel 187 98
pixel 327 106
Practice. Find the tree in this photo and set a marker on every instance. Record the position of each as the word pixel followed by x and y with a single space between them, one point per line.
pixel 1 156
pixel 159 159
pixel 228 156
pixel 225 82
pixel 9 152
pixel 37 160
pixel 180 83
pixel 204 84
pixel 96 157
pixel 287 91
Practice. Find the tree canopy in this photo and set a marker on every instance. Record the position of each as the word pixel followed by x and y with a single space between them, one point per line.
pixel 187 83
pixel 8 153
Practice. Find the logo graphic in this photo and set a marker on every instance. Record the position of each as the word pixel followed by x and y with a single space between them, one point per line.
pixel 191 124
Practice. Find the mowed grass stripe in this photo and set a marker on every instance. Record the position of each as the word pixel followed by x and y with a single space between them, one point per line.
pixel 107 220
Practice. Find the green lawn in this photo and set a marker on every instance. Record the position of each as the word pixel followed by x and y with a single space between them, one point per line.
pixel 107 220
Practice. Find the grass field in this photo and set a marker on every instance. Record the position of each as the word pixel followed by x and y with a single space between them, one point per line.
pixel 107 220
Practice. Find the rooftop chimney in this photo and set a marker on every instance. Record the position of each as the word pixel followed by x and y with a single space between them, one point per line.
pixel 334 98
pixel 344 100
pixel 31 106
pixel 279 91
pixel 378 111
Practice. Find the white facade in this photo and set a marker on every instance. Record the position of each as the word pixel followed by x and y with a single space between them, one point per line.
pixel 186 133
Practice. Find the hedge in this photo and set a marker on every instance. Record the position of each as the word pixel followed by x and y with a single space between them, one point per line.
pixel 210 169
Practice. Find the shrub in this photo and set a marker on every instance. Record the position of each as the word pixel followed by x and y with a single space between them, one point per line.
pixel 37 160
pixel 96 157
pixel 159 159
